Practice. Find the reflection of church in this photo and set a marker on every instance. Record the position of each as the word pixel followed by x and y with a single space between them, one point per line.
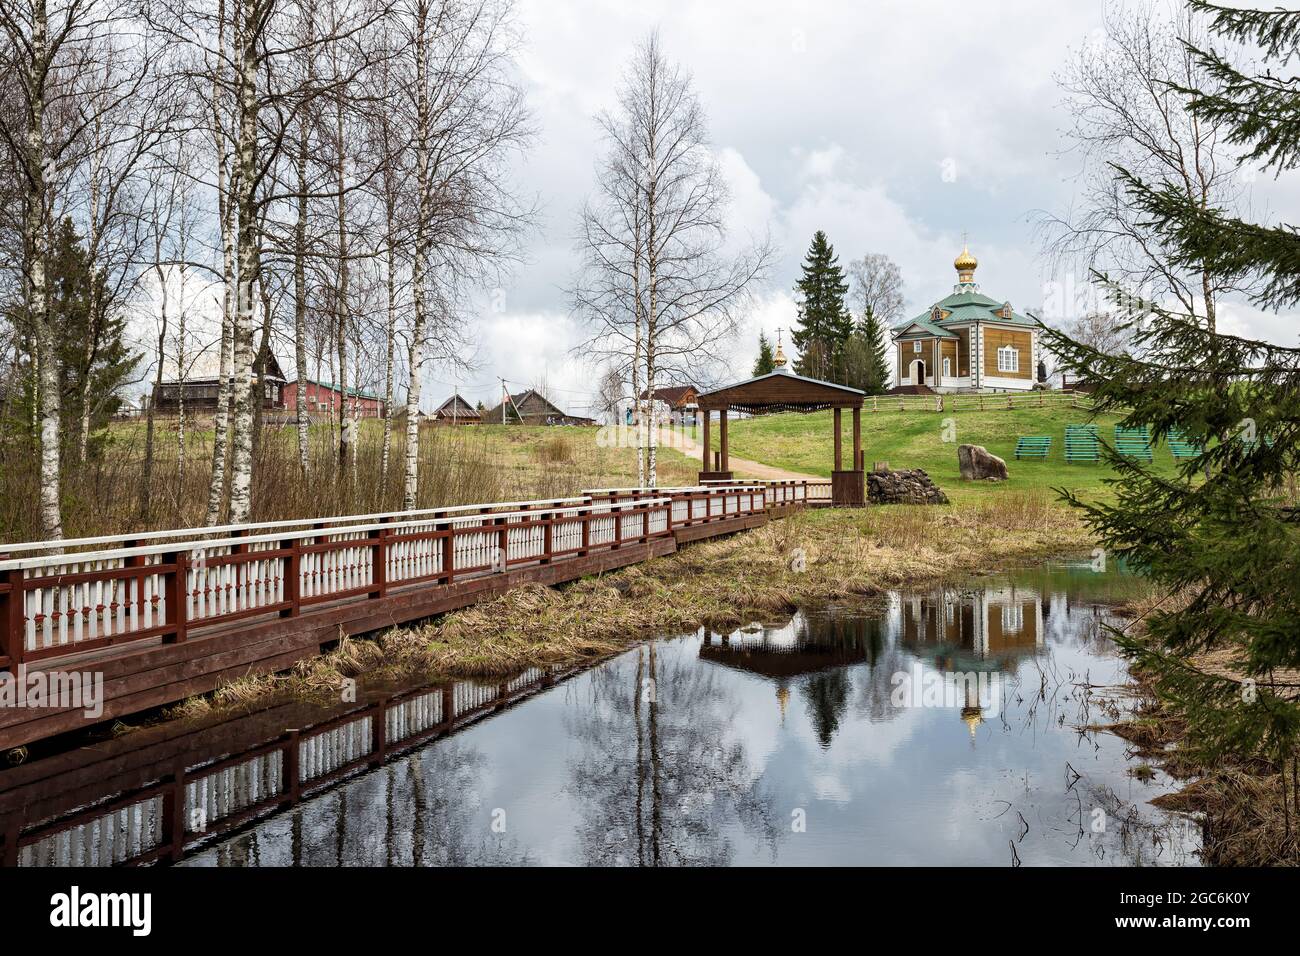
pixel 973 631
pixel 989 628
pixel 970 631
pixel 814 654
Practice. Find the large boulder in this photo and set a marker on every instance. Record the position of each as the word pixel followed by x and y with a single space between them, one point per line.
pixel 976 463
pixel 903 487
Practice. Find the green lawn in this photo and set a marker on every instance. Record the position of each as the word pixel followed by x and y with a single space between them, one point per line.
pixel 917 439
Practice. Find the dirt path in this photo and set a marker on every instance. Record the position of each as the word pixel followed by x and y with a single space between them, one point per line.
pixel 742 467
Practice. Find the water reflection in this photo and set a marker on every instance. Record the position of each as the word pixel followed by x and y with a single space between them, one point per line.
pixel 791 742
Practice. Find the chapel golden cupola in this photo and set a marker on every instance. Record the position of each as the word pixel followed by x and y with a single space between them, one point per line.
pixel 965 264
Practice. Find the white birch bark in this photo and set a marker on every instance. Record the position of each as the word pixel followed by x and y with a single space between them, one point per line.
pixel 241 459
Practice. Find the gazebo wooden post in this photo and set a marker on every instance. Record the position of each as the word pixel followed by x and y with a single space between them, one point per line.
pixel 857 438
pixel 726 464
pixel 839 464
pixel 705 463
pixel 714 467
pixel 847 484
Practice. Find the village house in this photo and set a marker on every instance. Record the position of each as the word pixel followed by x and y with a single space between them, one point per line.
pixel 680 401
pixel 199 384
pixel 456 411
pixel 324 399
pixel 530 407
pixel 966 342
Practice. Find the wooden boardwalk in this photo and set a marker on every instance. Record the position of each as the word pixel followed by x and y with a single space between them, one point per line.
pixel 163 616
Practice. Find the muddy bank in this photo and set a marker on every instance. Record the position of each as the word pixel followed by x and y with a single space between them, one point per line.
pixel 1248 807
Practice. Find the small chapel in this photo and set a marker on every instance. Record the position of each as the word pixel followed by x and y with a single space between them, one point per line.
pixel 966 342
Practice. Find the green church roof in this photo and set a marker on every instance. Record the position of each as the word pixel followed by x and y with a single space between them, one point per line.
pixel 964 304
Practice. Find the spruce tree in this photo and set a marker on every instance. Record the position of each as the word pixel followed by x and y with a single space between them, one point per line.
pixel 91 351
pixel 824 322
pixel 1222 535
pixel 877 378
pixel 766 362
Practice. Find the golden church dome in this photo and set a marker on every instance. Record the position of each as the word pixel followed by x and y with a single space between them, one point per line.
pixel 965 262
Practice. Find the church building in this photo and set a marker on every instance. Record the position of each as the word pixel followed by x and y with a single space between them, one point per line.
pixel 966 342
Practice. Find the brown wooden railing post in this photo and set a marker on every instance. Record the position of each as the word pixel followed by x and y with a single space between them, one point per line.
pixel 585 519
pixel 548 539
pixel 174 593
pixel 448 553
pixel 292 577
pixel 503 543
pixel 12 621
pixel 618 528
pixel 380 560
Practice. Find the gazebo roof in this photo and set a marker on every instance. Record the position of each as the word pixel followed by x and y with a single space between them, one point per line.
pixel 781 391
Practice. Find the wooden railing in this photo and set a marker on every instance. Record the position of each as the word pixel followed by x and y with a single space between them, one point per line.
pixel 778 492
pixel 695 504
pixel 57 604
pixel 105 542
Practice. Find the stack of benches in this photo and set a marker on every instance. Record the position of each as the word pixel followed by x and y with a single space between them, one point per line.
pixel 1133 442
pixel 1034 446
pixel 1081 444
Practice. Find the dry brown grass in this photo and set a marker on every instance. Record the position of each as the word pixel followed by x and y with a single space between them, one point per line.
pixel 461 465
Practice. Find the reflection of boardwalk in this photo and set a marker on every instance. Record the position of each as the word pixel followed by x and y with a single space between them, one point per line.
pixel 158 793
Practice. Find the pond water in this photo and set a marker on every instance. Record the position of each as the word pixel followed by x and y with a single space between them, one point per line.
pixel 949 727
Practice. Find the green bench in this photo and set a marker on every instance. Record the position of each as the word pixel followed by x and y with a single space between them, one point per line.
pixel 1033 446
pixel 1081 444
pixel 1133 442
pixel 1181 446
pixel 1249 444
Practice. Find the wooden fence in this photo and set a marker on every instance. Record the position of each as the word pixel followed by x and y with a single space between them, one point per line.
pixel 956 401
pixel 55 605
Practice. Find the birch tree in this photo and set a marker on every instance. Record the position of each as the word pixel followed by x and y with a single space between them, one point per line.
pixel 1129 97
pixel 49 58
pixel 469 118
pixel 660 282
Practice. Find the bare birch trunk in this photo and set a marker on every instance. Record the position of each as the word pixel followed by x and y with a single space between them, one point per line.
pixel 300 302
pixel 92 338
pixel 341 302
pixel 146 484
pixel 411 480
pixel 390 335
pixel 241 462
pixel 225 211
pixel 38 301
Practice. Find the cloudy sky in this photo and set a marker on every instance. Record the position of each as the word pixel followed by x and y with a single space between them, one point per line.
pixel 894 125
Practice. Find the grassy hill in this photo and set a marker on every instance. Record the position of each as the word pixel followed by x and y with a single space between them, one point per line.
pixel 915 439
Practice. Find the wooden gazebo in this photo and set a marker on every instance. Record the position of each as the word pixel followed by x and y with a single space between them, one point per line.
pixel 781 391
